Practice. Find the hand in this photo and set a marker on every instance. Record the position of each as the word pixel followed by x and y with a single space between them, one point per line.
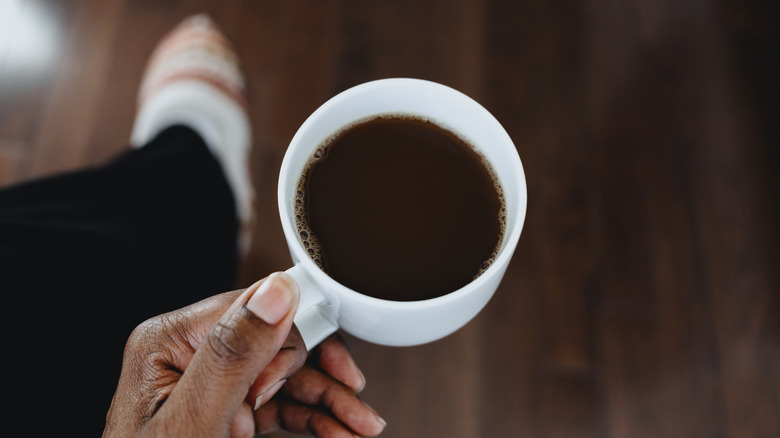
pixel 212 369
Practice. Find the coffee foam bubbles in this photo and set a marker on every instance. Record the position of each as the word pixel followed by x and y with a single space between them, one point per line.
pixel 501 214
pixel 307 238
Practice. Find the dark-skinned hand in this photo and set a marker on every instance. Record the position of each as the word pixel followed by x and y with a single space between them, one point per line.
pixel 234 365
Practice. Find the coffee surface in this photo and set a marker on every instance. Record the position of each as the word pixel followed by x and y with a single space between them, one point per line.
pixel 400 209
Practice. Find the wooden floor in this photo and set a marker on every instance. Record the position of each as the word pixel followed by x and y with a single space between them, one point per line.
pixel 644 296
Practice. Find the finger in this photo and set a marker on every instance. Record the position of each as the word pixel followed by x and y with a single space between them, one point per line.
pixel 335 359
pixel 290 359
pixel 235 351
pixel 295 417
pixel 311 386
pixel 243 423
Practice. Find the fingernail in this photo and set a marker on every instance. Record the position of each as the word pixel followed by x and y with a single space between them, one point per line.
pixel 270 392
pixel 362 384
pixel 274 299
pixel 379 419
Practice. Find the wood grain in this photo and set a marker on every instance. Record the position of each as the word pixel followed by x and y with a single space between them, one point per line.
pixel 643 297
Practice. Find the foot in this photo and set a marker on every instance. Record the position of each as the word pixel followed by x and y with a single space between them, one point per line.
pixel 193 78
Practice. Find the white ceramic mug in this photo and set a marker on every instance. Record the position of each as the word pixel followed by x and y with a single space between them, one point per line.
pixel 325 304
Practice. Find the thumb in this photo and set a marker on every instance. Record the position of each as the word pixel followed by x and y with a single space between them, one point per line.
pixel 234 353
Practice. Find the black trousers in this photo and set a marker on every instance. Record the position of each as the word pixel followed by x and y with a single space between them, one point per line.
pixel 87 256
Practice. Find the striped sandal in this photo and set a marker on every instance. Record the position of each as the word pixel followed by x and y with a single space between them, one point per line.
pixel 193 78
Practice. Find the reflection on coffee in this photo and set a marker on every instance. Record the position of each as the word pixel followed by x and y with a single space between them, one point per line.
pixel 398 208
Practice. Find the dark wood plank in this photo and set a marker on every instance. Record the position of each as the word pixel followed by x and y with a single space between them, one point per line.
pixel 34 37
pixel 535 83
pixel 62 138
pixel 11 156
pixel 290 73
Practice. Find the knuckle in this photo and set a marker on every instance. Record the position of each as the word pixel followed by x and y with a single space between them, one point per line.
pixel 330 396
pixel 228 343
pixel 144 333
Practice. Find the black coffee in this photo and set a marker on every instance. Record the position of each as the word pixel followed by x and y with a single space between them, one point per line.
pixel 400 209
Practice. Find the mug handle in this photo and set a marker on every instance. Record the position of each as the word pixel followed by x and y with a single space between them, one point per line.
pixel 312 317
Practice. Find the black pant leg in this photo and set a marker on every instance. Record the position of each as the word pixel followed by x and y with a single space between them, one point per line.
pixel 86 256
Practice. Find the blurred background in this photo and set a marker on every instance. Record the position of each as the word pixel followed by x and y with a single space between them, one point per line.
pixel 642 300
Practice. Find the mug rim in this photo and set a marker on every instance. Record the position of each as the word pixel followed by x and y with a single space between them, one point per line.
pixel 514 224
